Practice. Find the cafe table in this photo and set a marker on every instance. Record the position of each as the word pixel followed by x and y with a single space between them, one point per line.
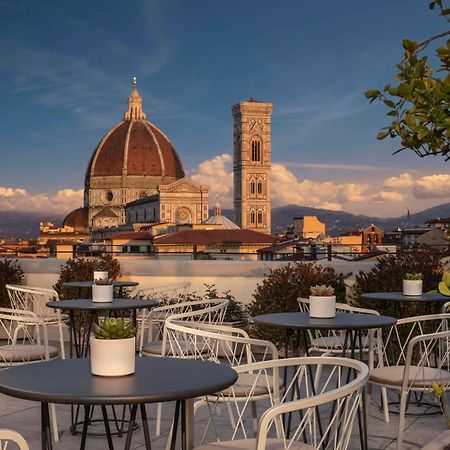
pixel 155 380
pixel 397 300
pixel 352 324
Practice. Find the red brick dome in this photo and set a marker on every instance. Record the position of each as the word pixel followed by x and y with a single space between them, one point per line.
pixel 135 146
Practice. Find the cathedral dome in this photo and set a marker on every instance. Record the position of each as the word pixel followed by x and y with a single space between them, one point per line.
pixel 77 219
pixel 135 147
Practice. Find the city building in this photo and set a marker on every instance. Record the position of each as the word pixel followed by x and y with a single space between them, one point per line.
pixel 308 227
pixel 371 237
pixel 219 220
pixel 251 168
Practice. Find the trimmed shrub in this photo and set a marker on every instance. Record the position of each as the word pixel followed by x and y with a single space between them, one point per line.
pixel 10 273
pixel 279 291
pixel 388 273
pixel 82 269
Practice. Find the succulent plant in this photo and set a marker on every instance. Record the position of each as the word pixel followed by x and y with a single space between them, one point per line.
pixel 322 291
pixel 114 329
pixel 444 285
pixel 413 276
pixel 103 282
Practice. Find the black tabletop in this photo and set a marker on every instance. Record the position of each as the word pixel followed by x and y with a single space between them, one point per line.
pixel 342 321
pixel 399 297
pixel 84 284
pixel 117 303
pixel 155 380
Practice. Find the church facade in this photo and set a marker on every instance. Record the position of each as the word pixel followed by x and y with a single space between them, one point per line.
pixel 135 163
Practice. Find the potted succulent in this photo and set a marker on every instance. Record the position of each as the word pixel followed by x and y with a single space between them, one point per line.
pixel 102 291
pixel 322 302
pixel 412 284
pixel 113 348
pixel 444 285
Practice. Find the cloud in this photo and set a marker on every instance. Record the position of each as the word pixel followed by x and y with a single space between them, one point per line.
pixel 18 199
pixel 217 174
pixel 387 196
pixel 336 166
pixel 432 186
pixel 404 180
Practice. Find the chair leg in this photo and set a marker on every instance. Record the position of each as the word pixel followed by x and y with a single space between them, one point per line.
pixel 384 400
pixel 158 419
pixel 401 419
pixel 54 423
pixel 61 339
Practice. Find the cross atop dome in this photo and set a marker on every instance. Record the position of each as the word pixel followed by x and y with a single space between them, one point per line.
pixel 135 105
pixel 217 207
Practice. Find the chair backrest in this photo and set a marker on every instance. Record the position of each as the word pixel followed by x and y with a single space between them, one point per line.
pixel 26 335
pixel 166 294
pixel 445 308
pixel 202 311
pixel 333 384
pixel 420 341
pixel 217 343
pixel 11 436
pixel 32 299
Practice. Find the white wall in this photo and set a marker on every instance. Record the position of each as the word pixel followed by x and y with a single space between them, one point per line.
pixel 240 277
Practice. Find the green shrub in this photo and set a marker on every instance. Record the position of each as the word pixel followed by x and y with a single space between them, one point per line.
pixel 10 273
pixel 82 269
pixel 236 311
pixel 279 291
pixel 389 272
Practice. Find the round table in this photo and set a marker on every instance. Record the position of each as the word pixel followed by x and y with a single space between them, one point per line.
pixel 155 380
pixel 397 298
pixel 81 341
pixel 87 284
pixel 353 324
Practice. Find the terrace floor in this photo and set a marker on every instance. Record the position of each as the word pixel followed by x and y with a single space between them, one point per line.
pixel 24 416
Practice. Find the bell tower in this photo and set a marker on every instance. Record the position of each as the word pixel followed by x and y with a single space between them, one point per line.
pixel 251 169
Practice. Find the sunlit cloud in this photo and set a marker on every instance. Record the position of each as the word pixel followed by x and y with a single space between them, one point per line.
pixel 403 180
pixel 432 186
pixel 387 196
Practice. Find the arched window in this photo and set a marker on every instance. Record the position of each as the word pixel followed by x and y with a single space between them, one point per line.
pixel 252 217
pixel 260 218
pixel 260 188
pixel 252 187
pixel 256 150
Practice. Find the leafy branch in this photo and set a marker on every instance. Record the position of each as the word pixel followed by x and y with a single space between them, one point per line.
pixel 419 103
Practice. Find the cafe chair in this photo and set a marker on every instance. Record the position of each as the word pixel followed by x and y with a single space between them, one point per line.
pixel 416 354
pixel 210 311
pixel 222 345
pixel 445 308
pixel 35 299
pixel 304 415
pixel 26 343
pixel 11 436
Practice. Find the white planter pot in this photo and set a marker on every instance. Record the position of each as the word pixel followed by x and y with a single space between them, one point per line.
pixel 412 287
pixel 100 275
pixel 322 307
pixel 102 294
pixel 113 357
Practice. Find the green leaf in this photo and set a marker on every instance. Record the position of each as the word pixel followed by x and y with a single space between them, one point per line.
pixel 409 45
pixel 446 277
pixel 382 134
pixel 389 103
pixel 372 93
pixel 443 289
pixel 393 113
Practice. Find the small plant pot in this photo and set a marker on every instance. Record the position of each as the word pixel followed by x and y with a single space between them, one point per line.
pixel 113 357
pixel 100 275
pixel 412 287
pixel 322 307
pixel 102 294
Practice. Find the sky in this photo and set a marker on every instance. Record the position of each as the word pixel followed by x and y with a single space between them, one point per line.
pixel 66 71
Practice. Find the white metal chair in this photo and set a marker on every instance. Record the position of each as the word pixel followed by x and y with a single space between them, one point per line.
pixel 210 311
pixel 223 345
pixel 415 355
pixel 11 436
pixel 153 321
pixel 27 343
pixel 168 293
pixel 326 410
pixel 34 299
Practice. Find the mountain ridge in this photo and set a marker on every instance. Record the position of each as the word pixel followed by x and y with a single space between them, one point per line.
pixel 26 224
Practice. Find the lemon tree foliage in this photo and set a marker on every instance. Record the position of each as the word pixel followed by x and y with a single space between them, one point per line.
pixel 419 102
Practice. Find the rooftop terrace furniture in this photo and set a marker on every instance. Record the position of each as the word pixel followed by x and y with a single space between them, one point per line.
pixel 11 436
pixel 326 410
pixel 415 355
pixel 34 299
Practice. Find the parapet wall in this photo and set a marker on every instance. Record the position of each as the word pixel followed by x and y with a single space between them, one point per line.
pixel 239 277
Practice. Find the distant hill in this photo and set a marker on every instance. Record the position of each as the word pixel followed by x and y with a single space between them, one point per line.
pixel 26 225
